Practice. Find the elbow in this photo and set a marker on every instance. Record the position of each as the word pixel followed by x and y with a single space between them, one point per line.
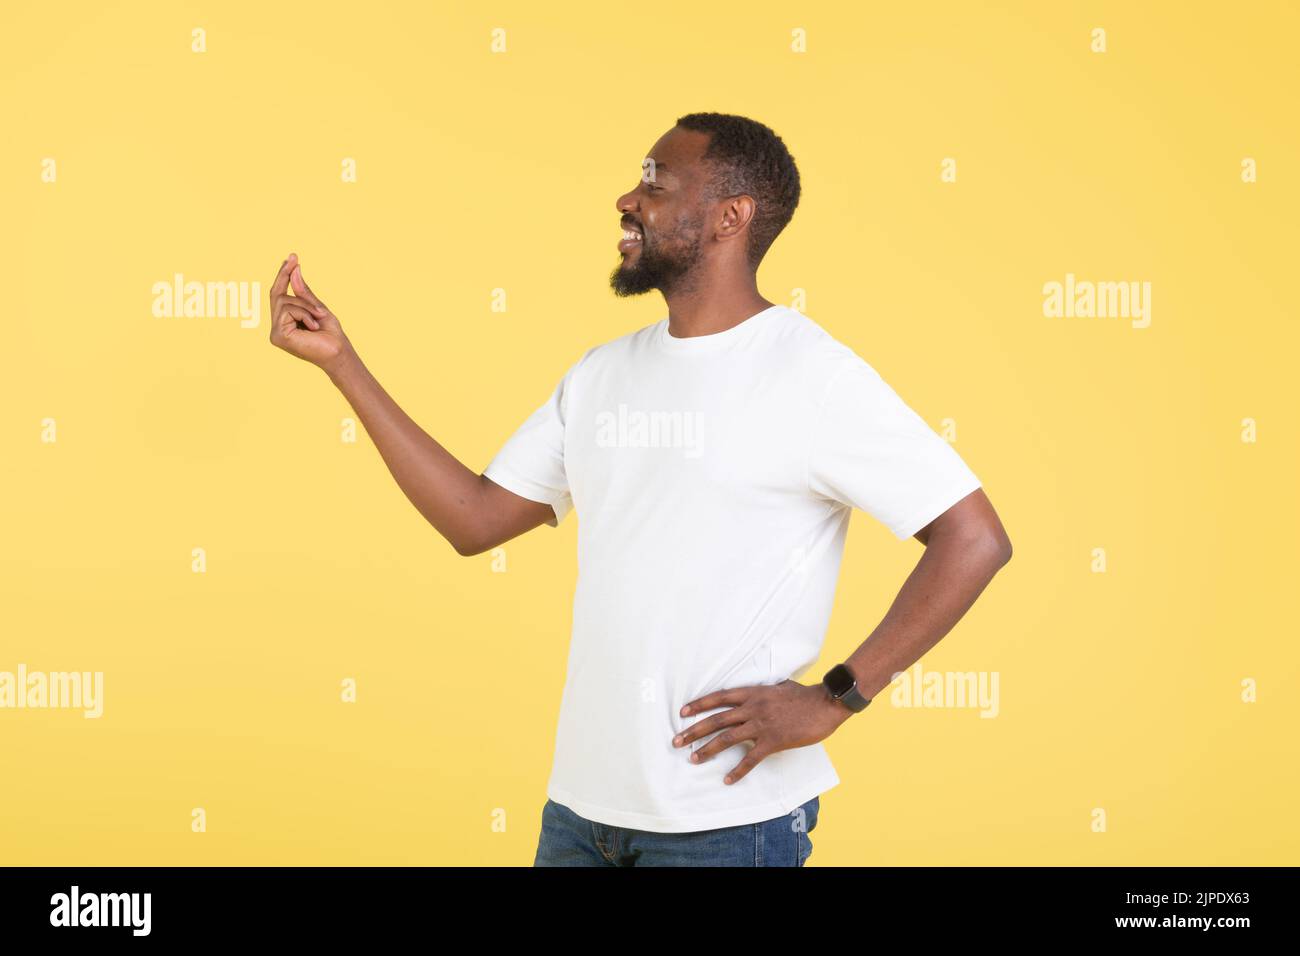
pixel 987 545
pixel 999 546
pixel 467 549
pixel 980 539
pixel 991 542
pixel 974 532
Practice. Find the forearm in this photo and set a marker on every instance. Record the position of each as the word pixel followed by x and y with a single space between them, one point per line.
pixel 443 490
pixel 951 574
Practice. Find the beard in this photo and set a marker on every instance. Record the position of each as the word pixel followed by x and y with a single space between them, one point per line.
pixel 666 266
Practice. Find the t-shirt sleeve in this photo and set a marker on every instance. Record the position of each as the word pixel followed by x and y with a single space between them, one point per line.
pixel 871 451
pixel 531 462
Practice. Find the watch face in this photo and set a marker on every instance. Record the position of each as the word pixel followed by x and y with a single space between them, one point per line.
pixel 839 679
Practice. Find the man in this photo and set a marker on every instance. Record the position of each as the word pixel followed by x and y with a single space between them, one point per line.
pixel 714 457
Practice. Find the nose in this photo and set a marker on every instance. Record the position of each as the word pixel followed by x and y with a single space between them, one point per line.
pixel 626 202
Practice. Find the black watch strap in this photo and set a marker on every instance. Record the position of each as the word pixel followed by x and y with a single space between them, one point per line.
pixel 843 686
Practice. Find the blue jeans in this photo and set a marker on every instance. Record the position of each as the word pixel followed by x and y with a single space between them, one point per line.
pixel 571 840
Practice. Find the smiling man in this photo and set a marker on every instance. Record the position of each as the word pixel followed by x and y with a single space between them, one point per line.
pixel 714 458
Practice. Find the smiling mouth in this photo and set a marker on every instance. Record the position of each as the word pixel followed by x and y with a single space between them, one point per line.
pixel 631 240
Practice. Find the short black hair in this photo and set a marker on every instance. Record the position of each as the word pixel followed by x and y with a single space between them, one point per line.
pixel 747 157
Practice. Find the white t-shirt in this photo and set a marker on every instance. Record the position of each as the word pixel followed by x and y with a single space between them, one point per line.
pixel 714 477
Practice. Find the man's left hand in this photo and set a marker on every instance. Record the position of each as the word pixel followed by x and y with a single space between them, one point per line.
pixel 774 717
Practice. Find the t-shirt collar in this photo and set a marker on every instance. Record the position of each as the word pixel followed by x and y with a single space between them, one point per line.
pixel 698 344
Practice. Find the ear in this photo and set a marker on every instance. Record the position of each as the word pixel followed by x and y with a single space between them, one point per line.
pixel 737 213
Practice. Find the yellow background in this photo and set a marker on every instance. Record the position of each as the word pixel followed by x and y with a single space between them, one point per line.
pixel 476 171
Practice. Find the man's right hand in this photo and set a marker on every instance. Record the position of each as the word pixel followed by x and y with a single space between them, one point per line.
pixel 470 510
pixel 301 324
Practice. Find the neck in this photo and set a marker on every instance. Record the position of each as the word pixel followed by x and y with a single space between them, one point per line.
pixel 714 308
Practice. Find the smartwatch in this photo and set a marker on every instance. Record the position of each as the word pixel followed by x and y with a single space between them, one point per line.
pixel 843 686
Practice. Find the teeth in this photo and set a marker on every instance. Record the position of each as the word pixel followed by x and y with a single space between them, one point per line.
pixel 629 234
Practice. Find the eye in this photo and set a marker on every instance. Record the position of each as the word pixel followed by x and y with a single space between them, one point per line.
pixel 654 188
